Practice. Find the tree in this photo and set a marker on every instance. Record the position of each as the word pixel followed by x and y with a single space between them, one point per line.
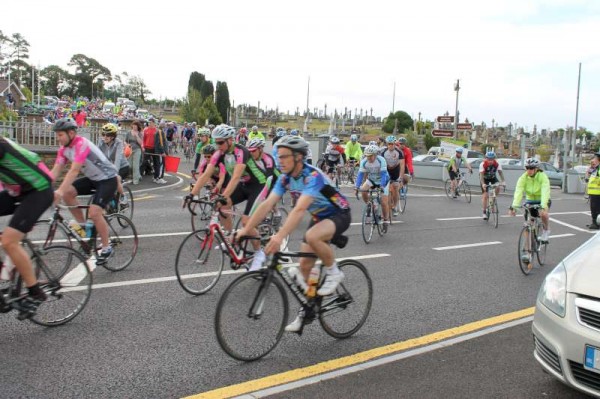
pixel 52 78
pixel 411 138
pixel 138 88
pixel 212 114
pixel 191 110
pixel 20 52
pixel 404 122
pixel 430 141
pixel 88 72
pixel 222 100
pixel 196 81
pixel 207 90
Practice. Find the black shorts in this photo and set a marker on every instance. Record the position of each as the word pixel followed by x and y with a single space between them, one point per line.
pixel 341 220
pixel 489 181
pixel 535 212
pixel 453 175
pixel 248 193
pixel 394 174
pixel 104 190
pixel 26 209
pixel 124 172
pixel 331 165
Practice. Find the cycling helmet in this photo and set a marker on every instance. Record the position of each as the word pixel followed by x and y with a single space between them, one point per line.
pixel 110 129
pixel 402 140
pixel 255 144
pixel 203 132
pixel 294 143
pixel 490 154
pixel 459 150
pixel 294 132
pixel 208 149
pixel 334 140
pixel 354 137
pixel 223 132
pixel 390 139
pixel 211 126
pixel 372 142
pixel 254 128
pixel 532 163
pixel 64 125
pixel 371 150
pixel 280 133
pixel 243 130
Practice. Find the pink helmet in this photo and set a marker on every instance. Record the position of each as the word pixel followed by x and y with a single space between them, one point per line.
pixel 243 130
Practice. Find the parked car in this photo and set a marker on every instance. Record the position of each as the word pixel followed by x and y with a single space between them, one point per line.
pixel 509 162
pixel 555 175
pixel 424 158
pixel 566 324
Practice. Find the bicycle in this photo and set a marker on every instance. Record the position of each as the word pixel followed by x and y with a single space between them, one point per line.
pixel 349 172
pixel 403 198
pixel 115 205
pixel 188 150
pixel 530 245
pixel 253 310
pixel 122 237
pixel 64 277
pixel 492 203
pixel 371 217
pixel 461 186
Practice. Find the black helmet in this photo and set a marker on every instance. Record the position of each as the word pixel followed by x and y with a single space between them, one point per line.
pixel 64 124
pixel 209 149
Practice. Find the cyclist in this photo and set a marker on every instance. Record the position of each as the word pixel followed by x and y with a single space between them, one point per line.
pixel 353 150
pixel 454 169
pixel 266 163
pixel 255 134
pixel 409 171
pixel 99 174
pixel 593 190
pixel 309 156
pixel 187 136
pixel 373 169
pixel 242 136
pixel 112 148
pixel 203 140
pixel 334 156
pixel 219 178
pixel 26 195
pixel 171 132
pixel 330 212
pixel 246 179
pixel 394 159
pixel 536 186
pixel 487 175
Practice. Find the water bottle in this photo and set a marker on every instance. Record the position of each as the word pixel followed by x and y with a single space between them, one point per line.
pixel 313 281
pixel 89 228
pixel 6 269
pixel 76 227
pixel 297 277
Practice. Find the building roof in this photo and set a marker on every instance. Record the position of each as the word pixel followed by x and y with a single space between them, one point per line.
pixel 4 88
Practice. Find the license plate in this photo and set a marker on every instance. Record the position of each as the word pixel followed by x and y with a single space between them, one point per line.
pixel 592 358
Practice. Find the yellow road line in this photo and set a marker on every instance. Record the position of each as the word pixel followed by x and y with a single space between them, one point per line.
pixel 184 175
pixel 145 198
pixel 346 361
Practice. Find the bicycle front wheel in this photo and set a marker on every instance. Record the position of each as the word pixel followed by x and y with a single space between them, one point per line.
pixel 197 266
pixel 494 212
pixel 403 198
pixel 251 315
pixel 126 209
pixel 448 189
pixel 66 278
pixel 525 250
pixel 466 191
pixel 47 233
pixel 344 313
pixel 123 238
pixel 540 247
pixel 368 223
pixel 202 214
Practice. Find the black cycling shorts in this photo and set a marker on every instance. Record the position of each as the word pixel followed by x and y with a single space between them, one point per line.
pixel 26 209
pixel 394 174
pixel 124 172
pixel 453 175
pixel 104 190
pixel 489 181
pixel 341 220
pixel 534 212
pixel 248 193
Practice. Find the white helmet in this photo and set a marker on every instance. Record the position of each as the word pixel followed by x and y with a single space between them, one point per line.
pixel 532 162
pixel 294 143
pixel 334 140
pixel 256 143
pixel 223 132
pixel 371 150
pixel 372 142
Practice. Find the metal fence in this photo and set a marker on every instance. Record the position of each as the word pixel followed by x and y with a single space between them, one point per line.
pixel 40 134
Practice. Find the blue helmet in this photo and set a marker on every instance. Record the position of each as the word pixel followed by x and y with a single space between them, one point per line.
pixel 294 132
pixel 459 150
pixel 354 137
pixel 390 139
pixel 490 154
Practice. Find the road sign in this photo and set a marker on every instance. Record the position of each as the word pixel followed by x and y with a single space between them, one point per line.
pixel 445 119
pixel 442 133
pixel 464 126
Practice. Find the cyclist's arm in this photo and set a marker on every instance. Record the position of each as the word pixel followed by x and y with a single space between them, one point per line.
pixel 70 177
pixel 361 175
pixel 222 175
pixel 118 154
pixel 296 215
pixel 402 166
pixel 264 208
pixel 385 176
pixel 545 190
pixel 519 189
pixel 501 175
pixel 203 178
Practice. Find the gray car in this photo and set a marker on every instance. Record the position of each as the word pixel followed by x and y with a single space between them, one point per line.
pixel 566 325
pixel 554 175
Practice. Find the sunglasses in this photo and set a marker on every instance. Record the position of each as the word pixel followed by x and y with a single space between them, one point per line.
pixel 220 142
pixel 530 167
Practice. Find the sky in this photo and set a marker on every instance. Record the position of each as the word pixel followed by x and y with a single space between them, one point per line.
pixel 517 60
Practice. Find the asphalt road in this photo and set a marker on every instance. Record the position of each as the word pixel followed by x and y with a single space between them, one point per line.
pixel 148 338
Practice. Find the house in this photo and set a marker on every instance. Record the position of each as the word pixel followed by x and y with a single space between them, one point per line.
pixel 11 96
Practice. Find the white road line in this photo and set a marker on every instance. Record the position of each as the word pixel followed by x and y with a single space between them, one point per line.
pixel 508 216
pixel 360 223
pixel 571 226
pixel 172 278
pixel 479 244
pixel 562 235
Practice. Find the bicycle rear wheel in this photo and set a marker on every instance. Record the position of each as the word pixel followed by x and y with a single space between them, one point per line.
pixel 494 212
pixel 525 253
pixel 126 209
pixel 67 281
pixel 540 247
pixel 448 188
pixel 403 198
pixel 466 191
pixel 251 315
pixel 344 313
pixel 368 223
pixel 198 267
pixel 123 238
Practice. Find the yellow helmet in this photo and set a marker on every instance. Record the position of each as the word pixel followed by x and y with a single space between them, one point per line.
pixel 110 129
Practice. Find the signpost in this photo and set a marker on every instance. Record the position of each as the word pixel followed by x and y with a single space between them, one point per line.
pixel 442 133
pixel 464 126
pixel 445 119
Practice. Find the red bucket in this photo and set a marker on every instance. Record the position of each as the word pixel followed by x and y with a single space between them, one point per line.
pixel 172 164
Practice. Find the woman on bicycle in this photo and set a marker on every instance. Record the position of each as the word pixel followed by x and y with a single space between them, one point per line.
pixel 112 147
pixel 220 178
pixel 536 186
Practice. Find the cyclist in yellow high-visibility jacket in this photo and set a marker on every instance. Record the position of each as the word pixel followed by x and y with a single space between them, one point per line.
pixel 593 190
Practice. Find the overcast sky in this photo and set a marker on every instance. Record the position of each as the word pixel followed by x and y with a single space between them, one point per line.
pixel 517 60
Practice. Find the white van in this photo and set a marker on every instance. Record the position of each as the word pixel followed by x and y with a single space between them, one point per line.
pixel 434 151
pixel 108 107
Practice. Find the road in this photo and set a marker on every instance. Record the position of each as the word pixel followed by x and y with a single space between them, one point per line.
pixel 145 337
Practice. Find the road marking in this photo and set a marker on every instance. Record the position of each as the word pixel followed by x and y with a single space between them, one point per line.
pixel 508 216
pixel 364 360
pixel 572 227
pixel 179 181
pixel 184 175
pixel 479 244
pixel 360 223
pixel 145 198
pixel 562 235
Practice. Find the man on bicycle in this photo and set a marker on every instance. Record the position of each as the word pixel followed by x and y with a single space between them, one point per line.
pixel 536 186
pixel 330 212
pixel 99 175
pixel 373 169
pixel 26 195
pixel 487 175
pixel 353 150
pixel 454 169
pixel 335 156
pixel 395 167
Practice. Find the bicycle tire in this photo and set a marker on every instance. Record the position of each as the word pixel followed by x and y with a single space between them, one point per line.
pixel 540 248
pixel 47 233
pixel 193 256
pixel 524 241
pixel 347 297
pixel 367 223
pixel 240 335
pixel 448 188
pixel 202 214
pixel 126 210
pixel 466 189
pixel 495 212
pixel 402 200
pixel 67 299
pixel 381 226
pixel 123 238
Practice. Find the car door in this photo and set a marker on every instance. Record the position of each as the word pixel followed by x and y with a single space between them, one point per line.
pixel 553 174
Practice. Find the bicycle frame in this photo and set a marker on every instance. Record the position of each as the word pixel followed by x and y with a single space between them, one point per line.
pixel 87 245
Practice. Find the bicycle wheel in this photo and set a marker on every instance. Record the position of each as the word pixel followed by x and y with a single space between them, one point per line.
pixel 126 209
pixel 368 223
pixel 525 253
pixel 403 199
pixel 381 227
pixel 540 247
pixel 494 213
pixel 67 281
pixel 47 233
pixel 351 175
pixel 202 214
pixel 124 241
pixel 251 315
pixel 344 313
pixel 199 262
pixel 448 188
pixel 466 191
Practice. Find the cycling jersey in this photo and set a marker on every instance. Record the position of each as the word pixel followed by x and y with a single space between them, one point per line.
pixel 536 188
pixel 114 153
pixel 201 145
pixel 267 165
pixel 408 164
pixel 334 153
pixel 241 139
pixel 239 155
pixel 353 150
pixel 218 170
pixel 375 171
pixel 327 200
pixel 489 168
pixel 96 166
pixel 392 158
pixel 21 170
pixel 456 161
pixel 256 135
pixel 188 133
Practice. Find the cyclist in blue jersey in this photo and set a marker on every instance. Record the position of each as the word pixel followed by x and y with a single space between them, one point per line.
pixel 315 193
pixel 373 171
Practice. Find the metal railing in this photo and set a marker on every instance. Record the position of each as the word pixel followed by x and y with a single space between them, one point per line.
pixel 40 134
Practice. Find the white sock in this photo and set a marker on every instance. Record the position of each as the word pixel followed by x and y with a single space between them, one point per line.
pixel 333 269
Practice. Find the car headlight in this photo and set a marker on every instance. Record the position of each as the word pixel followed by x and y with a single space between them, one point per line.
pixel 553 293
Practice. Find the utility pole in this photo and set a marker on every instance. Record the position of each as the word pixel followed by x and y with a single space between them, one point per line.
pixel 394 99
pixel 574 134
pixel 307 96
pixel 456 89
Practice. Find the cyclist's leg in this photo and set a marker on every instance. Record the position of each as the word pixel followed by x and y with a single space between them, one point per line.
pixel 385 199
pixel 105 191
pixel 364 188
pixel 484 198
pixel 81 186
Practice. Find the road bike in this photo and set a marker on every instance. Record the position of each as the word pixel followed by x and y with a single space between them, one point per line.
pixel 65 278
pixel 116 205
pixel 530 244
pixel 372 217
pixel 349 172
pixel 462 188
pixel 491 209
pixel 253 311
